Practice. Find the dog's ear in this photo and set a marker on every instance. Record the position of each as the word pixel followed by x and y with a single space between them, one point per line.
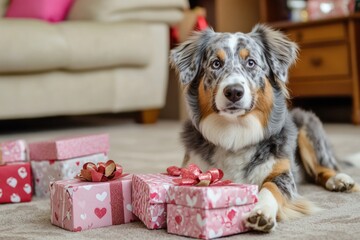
pixel 187 57
pixel 280 52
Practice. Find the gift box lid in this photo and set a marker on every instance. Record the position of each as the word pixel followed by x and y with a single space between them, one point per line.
pixel 66 148
pixel 212 197
pixel 154 186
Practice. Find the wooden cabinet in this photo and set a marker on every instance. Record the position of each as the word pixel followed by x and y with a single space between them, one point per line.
pixel 329 59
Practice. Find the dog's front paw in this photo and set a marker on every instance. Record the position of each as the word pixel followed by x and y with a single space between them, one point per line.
pixel 261 219
pixel 341 182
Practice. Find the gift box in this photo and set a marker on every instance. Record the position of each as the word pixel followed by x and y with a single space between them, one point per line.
pixel 61 149
pixel 149 194
pixel 51 170
pixel 209 212
pixel 13 151
pixel 15 183
pixel 78 205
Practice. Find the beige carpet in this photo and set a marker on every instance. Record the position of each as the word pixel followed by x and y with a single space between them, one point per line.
pixel 152 148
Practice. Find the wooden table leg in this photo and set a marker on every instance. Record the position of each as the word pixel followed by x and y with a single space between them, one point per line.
pixel 148 116
pixel 354 36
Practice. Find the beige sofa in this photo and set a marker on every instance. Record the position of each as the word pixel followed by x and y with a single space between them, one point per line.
pixel 109 56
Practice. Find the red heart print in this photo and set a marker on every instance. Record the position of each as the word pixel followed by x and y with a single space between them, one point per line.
pixel 100 212
pixel 51 162
pixel 78 229
pixel 231 214
pixel 77 163
pixel 37 180
pixel 153 195
pixel 202 236
pixel 178 219
pixel 56 217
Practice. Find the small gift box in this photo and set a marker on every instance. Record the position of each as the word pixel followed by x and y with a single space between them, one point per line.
pixel 15 183
pixel 13 151
pixel 78 205
pixel 61 149
pixel 51 170
pixel 149 194
pixel 201 205
pixel 209 212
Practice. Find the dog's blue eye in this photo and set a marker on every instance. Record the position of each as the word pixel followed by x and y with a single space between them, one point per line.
pixel 250 63
pixel 216 64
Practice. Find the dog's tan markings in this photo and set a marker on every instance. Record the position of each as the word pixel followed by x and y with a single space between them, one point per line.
pixel 205 100
pixel 281 166
pixel 308 157
pixel 288 208
pixel 221 54
pixel 280 199
pixel 244 53
pixel 264 103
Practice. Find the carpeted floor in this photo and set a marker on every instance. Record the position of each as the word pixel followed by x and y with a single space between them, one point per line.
pixel 145 149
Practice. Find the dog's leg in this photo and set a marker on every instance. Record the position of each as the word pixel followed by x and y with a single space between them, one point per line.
pixel 322 168
pixel 278 199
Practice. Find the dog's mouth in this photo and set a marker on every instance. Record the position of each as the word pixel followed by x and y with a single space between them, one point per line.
pixel 237 109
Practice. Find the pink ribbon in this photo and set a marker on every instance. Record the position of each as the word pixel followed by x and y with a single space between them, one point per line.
pixel 101 172
pixel 193 176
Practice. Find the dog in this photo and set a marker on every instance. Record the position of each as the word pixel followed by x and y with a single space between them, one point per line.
pixel 235 88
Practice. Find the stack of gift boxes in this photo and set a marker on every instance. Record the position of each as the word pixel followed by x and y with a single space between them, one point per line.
pixel 98 194
pixel 15 173
pixel 62 159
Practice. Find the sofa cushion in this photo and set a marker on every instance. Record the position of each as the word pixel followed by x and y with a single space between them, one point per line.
pixel 168 11
pixel 33 45
pixel 49 10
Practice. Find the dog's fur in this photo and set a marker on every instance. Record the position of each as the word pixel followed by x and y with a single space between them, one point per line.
pixel 254 139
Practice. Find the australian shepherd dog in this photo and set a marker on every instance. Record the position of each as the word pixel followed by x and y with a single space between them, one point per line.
pixel 235 89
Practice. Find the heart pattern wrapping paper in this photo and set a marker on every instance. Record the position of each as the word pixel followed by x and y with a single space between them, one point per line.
pixel 149 198
pixel 15 183
pixel 207 223
pixel 209 212
pixel 51 170
pixel 78 206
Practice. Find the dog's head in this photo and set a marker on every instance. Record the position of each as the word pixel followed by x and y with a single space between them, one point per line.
pixel 233 75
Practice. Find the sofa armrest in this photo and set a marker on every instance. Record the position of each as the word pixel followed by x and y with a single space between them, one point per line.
pixel 167 11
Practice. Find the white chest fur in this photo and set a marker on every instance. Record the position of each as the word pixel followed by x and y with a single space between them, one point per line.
pixel 234 164
pixel 232 133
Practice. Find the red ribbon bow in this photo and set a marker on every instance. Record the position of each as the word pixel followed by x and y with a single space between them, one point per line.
pixel 100 172
pixel 192 175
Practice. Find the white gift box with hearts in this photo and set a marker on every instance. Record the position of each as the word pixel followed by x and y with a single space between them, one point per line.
pixel 13 151
pixel 78 206
pixel 209 212
pixel 150 197
pixel 51 170
pixel 15 183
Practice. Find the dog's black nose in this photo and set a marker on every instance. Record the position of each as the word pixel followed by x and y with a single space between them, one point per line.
pixel 234 92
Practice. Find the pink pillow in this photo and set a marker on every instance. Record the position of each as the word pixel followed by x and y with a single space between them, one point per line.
pixel 48 10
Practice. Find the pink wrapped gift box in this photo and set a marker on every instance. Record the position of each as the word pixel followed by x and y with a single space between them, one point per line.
pixel 48 171
pixel 67 148
pixel 78 205
pixel 209 212
pixel 13 151
pixel 15 183
pixel 149 198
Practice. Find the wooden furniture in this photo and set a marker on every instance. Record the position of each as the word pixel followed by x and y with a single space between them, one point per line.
pixel 329 59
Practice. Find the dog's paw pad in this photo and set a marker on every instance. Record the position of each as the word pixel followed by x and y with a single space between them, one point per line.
pixel 341 182
pixel 257 220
